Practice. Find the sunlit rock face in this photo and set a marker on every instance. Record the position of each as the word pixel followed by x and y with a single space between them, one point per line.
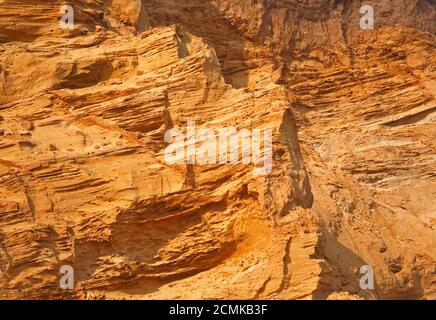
pixel 85 182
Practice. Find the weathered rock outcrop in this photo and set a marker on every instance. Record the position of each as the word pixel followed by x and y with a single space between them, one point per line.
pixel 84 181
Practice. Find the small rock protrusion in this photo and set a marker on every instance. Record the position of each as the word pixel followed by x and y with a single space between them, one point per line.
pixel 382 248
pixel 27 125
pixel 395 264
pixel 26 145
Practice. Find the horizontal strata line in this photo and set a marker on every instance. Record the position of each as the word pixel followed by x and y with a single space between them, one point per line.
pixel 81 185
pixel 411 118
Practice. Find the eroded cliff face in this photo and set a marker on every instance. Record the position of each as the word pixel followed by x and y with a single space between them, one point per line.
pixel 83 176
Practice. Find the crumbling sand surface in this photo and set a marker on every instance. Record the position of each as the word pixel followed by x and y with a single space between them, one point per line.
pixel 84 182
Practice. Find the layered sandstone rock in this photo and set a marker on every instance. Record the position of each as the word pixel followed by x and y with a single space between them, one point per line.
pixel 84 181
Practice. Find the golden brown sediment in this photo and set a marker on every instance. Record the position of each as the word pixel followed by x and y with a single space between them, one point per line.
pixel 83 180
